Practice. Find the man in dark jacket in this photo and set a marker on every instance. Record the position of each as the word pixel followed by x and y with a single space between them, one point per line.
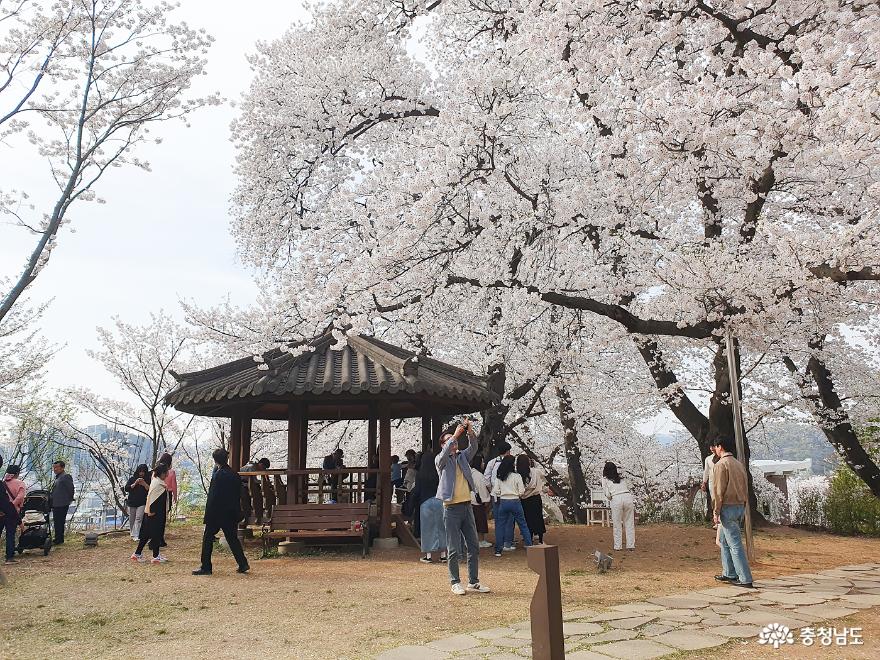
pixel 222 512
pixel 61 498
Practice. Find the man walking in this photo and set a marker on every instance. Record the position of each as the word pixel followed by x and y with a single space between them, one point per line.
pixel 222 512
pixel 730 496
pixel 61 497
pixel 708 469
pixel 456 486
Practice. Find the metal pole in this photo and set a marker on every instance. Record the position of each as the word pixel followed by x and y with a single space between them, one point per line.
pixel 740 438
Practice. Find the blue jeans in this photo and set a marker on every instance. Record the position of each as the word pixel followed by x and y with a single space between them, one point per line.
pixel 734 563
pixel 459 522
pixel 509 512
pixel 506 533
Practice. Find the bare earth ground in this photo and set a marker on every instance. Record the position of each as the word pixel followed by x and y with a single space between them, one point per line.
pixel 95 603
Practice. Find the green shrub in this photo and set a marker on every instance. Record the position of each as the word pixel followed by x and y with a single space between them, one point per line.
pixel 850 507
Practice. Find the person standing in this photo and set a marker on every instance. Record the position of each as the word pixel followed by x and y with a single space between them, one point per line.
pixel 480 500
pixel 61 497
pixel 456 486
pixel 136 487
pixel 508 490
pixel 11 514
pixel 333 461
pixel 490 474
pixel 152 530
pixel 532 503
pixel 708 468
pixel 432 531
pixel 623 514
pixel 730 495
pixel 222 512
pixel 15 485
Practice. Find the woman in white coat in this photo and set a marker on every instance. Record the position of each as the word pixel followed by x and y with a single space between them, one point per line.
pixel 620 498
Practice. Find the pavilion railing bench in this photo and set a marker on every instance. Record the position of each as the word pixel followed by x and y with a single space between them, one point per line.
pixel 316 522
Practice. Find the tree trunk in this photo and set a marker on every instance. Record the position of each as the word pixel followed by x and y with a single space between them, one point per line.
pixel 493 430
pixel 833 418
pixel 701 427
pixel 577 482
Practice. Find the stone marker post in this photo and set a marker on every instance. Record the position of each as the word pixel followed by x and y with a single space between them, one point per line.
pixel 548 642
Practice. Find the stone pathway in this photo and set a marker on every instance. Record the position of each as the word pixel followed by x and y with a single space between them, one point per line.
pixel 680 622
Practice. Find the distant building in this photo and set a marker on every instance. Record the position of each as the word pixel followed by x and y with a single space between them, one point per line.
pixel 779 472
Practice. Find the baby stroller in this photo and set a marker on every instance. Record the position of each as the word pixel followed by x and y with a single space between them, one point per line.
pixel 37 522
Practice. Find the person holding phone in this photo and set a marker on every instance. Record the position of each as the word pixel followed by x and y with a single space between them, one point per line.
pixel 137 487
pixel 456 486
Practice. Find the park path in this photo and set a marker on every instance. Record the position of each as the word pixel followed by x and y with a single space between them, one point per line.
pixel 690 621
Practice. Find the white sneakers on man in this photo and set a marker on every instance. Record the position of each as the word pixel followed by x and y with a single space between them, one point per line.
pixel 458 589
pixel 478 588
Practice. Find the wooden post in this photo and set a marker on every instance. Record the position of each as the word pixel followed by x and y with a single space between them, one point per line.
pixel 427 443
pixel 294 437
pixel 740 438
pixel 436 431
pixel 385 471
pixel 371 439
pixel 548 642
pixel 246 428
pixel 235 443
pixel 303 452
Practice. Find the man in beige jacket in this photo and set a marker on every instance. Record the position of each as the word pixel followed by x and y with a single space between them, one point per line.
pixel 730 496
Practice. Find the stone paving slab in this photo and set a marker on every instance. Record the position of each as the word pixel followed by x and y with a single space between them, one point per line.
pixel 794 598
pixel 629 624
pixel 610 636
pixel 639 608
pixel 691 641
pixel 455 643
pixel 654 629
pixel 578 614
pixel 610 616
pixel 679 602
pixel 581 628
pixel 725 592
pixel 635 649
pixel 739 630
pixel 413 653
pixel 825 611
pixel 865 600
pixel 585 655
pixel 493 633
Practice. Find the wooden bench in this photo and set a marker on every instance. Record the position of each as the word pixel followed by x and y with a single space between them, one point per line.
pixel 321 521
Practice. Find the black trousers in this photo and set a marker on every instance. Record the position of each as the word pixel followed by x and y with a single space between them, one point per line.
pixel 230 531
pixel 59 520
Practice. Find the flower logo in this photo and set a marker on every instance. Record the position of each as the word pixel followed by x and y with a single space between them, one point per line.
pixel 776 634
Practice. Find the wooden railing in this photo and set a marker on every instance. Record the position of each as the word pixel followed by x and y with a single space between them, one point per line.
pixel 265 488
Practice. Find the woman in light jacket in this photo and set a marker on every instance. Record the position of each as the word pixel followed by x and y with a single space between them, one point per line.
pixel 533 506
pixel 155 514
pixel 619 497
pixel 508 487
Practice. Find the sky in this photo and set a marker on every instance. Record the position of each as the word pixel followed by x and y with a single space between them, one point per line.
pixel 163 235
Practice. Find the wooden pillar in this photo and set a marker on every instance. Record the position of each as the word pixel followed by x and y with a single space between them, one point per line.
pixel 436 431
pixel 294 438
pixel 246 428
pixel 371 439
pixel 303 452
pixel 427 443
pixel 385 471
pixel 546 606
pixel 235 443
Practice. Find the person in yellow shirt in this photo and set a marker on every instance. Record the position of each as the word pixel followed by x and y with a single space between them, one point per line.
pixel 456 485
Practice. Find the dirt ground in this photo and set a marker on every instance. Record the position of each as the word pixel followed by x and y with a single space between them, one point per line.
pixel 96 603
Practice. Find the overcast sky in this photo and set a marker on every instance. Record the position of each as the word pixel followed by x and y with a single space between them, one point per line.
pixel 162 235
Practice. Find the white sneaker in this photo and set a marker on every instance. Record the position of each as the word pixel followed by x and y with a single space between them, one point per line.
pixel 458 589
pixel 136 557
pixel 509 548
pixel 155 560
pixel 485 544
pixel 162 558
pixel 479 588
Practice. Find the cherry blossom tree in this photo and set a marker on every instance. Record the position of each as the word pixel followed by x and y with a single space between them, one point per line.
pixel 141 358
pixel 81 84
pixel 670 168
